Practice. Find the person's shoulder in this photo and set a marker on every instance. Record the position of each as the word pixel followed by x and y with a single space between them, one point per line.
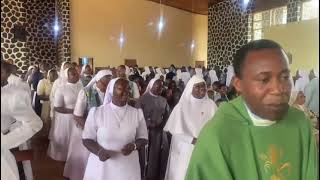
pixel 296 115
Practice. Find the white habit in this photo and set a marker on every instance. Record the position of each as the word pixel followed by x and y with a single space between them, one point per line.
pixel 185 123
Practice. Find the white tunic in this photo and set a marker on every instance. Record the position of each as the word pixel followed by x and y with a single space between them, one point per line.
pixel 18 124
pixel 77 153
pixel 113 127
pixel 185 123
pixel 65 96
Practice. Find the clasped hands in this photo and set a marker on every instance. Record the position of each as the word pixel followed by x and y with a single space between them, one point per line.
pixel 105 154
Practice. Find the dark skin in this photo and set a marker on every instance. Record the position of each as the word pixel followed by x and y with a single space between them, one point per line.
pixel 88 70
pixel 102 86
pixel 120 98
pixel 265 83
pixel 73 77
pixel 121 72
pixel 199 91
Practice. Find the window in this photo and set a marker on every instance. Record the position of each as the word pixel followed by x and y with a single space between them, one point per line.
pixel 310 10
pixel 268 18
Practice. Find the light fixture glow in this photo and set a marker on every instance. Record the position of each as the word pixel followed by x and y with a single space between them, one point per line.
pixel 56 27
pixel 245 2
pixel 192 45
pixel 160 24
pixel 121 40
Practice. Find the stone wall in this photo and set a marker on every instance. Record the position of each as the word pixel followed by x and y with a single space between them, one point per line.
pixel 228 31
pixel 37 18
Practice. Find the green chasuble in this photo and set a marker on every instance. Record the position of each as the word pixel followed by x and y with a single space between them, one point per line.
pixel 230 147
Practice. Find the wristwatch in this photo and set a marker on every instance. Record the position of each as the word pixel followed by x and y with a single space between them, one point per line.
pixel 135 146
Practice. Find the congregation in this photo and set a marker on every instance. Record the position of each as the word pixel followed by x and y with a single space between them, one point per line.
pixel 175 123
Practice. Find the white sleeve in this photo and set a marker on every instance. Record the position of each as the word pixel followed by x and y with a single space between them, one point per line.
pixel 81 104
pixel 184 138
pixel 23 113
pixel 91 126
pixel 58 100
pixel 136 93
pixel 142 131
pixel 54 89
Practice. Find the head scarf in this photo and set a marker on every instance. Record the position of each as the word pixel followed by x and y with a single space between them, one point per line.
pixel 199 72
pixel 48 75
pixel 109 91
pixel 213 76
pixel 158 71
pixel 302 81
pixel 30 67
pixel 150 85
pixel 184 118
pixel 146 72
pixel 98 76
pixel 83 69
pixel 293 97
pixel 230 74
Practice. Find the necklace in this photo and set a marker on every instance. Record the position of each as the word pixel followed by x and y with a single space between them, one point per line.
pixel 119 118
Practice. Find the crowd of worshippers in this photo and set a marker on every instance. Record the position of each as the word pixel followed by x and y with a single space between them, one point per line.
pixel 132 123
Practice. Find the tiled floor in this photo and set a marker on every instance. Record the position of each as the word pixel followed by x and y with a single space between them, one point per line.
pixel 44 168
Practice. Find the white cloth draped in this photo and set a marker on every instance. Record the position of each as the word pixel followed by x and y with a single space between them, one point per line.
pixel 213 76
pixel 302 82
pixel 185 123
pixel 109 91
pixel 185 76
pixel 15 110
pixel 65 96
pixel 98 76
pixel 230 74
pixel 199 72
pixel 150 85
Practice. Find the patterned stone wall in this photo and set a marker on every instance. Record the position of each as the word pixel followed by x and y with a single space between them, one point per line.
pixel 64 49
pixel 40 22
pixel 293 10
pixel 228 31
pixel 37 16
pixel 13 13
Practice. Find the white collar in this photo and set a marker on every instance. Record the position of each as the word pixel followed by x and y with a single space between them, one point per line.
pixel 258 121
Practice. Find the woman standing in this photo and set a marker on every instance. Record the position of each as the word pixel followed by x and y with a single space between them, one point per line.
pixel 185 122
pixel 90 96
pixel 43 92
pixel 64 103
pixel 113 133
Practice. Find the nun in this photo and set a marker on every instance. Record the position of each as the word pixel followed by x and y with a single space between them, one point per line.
pixel 64 103
pixel 113 133
pixel 188 117
pixel 90 96
pixel 156 111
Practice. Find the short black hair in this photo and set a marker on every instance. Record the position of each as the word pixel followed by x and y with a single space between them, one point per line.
pixel 216 83
pixel 120 80
pixel 241 54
